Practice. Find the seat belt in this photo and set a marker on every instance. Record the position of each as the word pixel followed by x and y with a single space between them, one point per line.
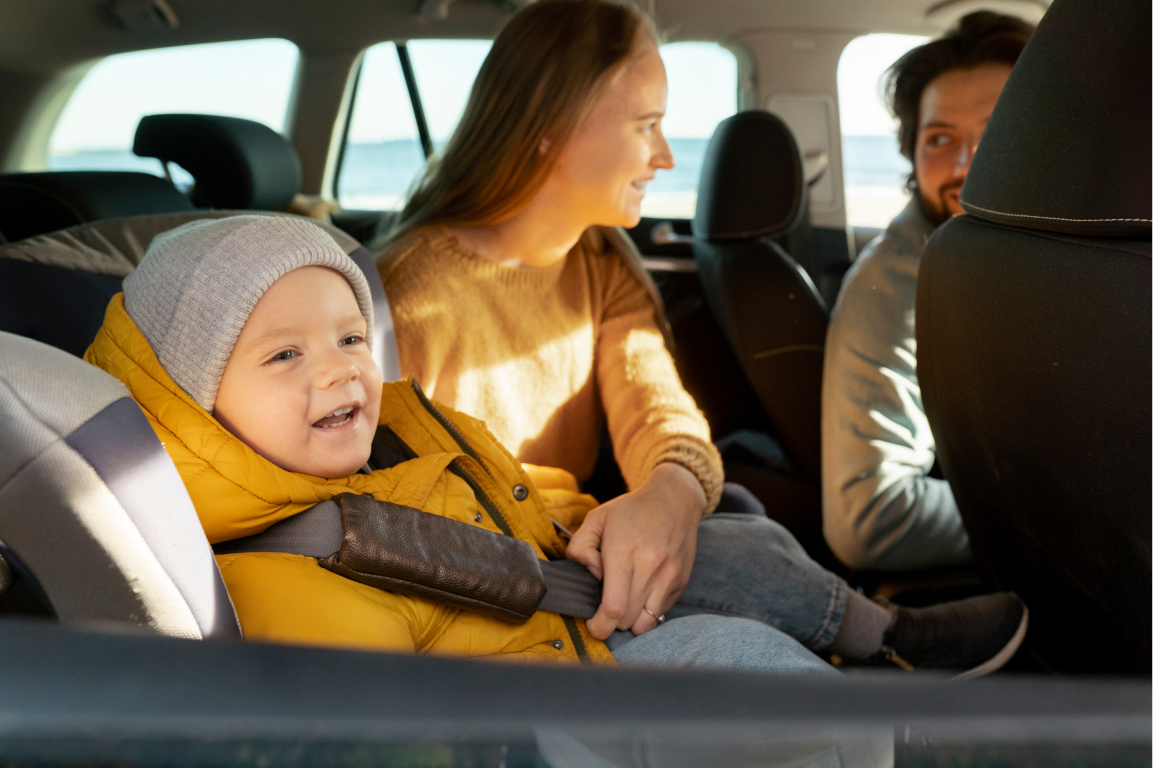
pixel 319 531
pixel 383 331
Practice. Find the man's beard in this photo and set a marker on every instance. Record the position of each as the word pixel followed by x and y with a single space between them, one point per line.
pixel 935 210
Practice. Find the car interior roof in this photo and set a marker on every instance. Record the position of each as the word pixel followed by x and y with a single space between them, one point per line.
pixel 50 35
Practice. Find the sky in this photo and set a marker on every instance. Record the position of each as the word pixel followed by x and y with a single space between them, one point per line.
pixel 253 79
pixel 863 62
pixel 445 70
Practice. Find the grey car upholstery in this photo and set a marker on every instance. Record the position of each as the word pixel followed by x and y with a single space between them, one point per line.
pixel 92 509
pixel 35 203
pixel 752 189
pixel 55 287
pixel 1034 338
pixel 237 163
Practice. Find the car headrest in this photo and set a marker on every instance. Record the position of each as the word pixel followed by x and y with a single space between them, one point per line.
pixel 92 511
pixel 239 164
pixel 34 203
pixel 1067 148
pixel 752 181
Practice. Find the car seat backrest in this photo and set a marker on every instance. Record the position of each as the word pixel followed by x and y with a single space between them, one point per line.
pixel 1034 335
pixel 92 510
pixel 237 163
pixel 35 203
pixel 752 189
pixel 55 287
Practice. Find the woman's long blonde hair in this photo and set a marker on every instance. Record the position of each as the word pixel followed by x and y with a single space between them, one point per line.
pixel 538 81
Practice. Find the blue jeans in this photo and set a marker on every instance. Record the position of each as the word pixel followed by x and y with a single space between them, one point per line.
pixel 747 567
pixel 705 641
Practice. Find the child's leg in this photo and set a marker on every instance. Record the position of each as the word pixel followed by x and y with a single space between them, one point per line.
pixel 705 641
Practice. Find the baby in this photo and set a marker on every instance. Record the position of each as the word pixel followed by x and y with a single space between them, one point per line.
pixel 247 343
pixel 301 387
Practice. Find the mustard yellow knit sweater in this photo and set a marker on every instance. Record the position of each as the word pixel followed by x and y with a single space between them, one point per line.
pixel 544 355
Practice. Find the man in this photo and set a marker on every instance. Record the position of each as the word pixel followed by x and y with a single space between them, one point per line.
pixel 882 509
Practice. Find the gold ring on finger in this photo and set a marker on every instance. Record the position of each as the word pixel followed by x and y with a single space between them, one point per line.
pixel 660 619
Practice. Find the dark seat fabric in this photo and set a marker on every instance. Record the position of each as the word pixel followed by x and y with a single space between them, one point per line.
pixel 55 287
pixel 752 189
pixel 1034 338
pixel 34 203
pixel 1068 148
pixel 58 306
pixel 238 164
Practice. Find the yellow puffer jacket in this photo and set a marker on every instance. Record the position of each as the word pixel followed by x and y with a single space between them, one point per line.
pixel 290 598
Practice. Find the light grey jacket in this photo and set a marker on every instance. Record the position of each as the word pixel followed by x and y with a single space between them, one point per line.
pixel 881 510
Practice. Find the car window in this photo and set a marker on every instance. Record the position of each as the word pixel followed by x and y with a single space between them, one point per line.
pixel 445 71
pixel 702 92
pixel 383 155
pixel 250 79
pixel 875 171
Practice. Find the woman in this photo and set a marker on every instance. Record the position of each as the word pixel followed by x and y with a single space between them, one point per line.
pixel 517 301
pixel 513 304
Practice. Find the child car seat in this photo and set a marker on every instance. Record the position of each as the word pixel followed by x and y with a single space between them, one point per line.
pixel 93 514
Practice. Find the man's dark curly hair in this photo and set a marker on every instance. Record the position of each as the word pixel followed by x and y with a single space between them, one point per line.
pixel 979 38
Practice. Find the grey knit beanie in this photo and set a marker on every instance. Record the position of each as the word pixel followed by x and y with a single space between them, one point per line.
pixel 197 285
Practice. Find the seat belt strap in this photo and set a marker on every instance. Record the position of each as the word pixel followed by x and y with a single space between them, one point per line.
pixel 318 532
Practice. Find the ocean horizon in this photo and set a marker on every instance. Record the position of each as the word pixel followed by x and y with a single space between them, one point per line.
pixel 377 176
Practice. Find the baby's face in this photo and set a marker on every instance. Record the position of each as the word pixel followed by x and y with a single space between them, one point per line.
pixel 301 387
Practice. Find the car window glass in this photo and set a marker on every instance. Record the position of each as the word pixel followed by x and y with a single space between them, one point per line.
pixel 702 92
pixel 445 71
pixel 382 154
pixel 875 171
pixel 250 79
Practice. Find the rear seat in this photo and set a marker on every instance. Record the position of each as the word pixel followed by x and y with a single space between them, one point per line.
pixel 237 164
pixel 35 203
pixel 55 287
pixel 94 518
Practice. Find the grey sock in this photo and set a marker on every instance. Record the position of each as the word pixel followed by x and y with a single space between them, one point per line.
pixel 862 629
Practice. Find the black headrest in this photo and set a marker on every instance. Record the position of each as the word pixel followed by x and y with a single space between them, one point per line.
pixel 35 203
pixel 238 164
pixel 752 182
pixel 1068 146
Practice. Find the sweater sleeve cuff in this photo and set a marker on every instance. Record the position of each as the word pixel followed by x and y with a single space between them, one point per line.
pixel 698 457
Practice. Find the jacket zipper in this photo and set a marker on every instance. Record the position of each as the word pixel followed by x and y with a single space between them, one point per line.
pixel 467 449
pixel 482 497
pixel 485 501
pixel 448 425
pixel 578 642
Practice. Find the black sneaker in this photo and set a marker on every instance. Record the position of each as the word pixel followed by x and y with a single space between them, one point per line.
pixel 978 635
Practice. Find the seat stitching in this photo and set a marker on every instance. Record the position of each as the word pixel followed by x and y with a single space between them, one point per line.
pixel 1047 218
pixel 790 348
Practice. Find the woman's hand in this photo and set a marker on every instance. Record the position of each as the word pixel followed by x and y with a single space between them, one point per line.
pixel 642 546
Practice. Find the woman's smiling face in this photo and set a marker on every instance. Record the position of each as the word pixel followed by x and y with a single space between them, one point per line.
pixel 619 147
pixel 301 387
